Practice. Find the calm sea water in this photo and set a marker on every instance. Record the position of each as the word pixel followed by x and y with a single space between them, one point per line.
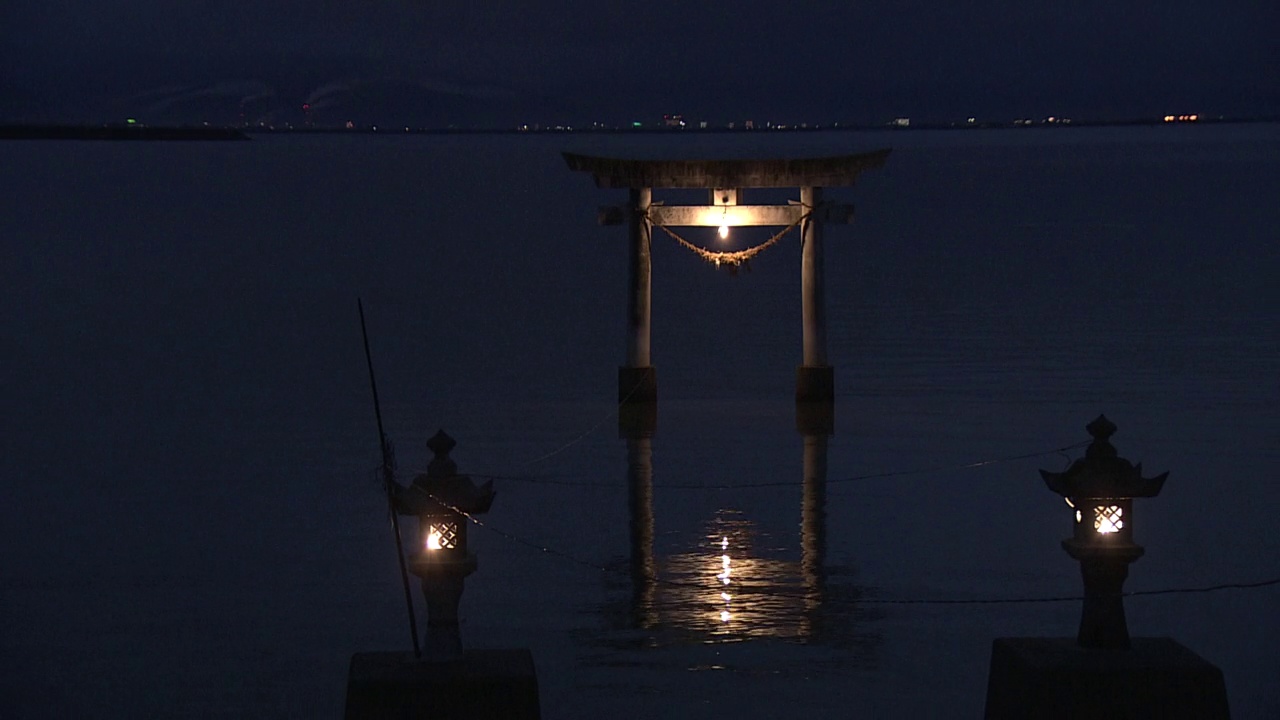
pixel 190 523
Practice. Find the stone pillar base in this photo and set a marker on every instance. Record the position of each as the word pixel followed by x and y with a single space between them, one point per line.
pixel 481 684
pixel 815 383
pixel 1056 679
pixel 637 384
pixel 637 420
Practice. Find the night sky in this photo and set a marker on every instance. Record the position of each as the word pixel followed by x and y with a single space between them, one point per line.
pixel 407 61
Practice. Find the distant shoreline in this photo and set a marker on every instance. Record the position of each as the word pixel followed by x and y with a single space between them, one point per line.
pixel 214 133
pixel 118 132
pixel 656 129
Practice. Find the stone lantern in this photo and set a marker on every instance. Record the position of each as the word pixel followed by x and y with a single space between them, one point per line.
pixel 1100 488
pixel 442 499
pixel 1102 672
pixel 446 682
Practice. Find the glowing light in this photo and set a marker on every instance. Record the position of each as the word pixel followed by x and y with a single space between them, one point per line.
pixel 725 616
pixel 1069 503
pixel 1107 519
pixel 723 575
pixel 726 596
pixel 1079 517
pixel 441 536
pixel 724 232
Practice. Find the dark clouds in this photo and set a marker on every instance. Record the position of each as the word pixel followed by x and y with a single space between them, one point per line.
pixel 823 60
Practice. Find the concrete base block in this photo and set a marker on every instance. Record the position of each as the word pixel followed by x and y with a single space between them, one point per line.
pixel 815 384
pixel 1056 679
pixel 637 384
pixel 482 684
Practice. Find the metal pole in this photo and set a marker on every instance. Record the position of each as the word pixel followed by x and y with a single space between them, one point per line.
pixel 387 481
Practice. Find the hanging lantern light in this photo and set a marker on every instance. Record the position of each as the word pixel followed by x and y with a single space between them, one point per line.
pixel 724 198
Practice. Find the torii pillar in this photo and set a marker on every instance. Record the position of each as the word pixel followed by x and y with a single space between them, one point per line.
pixel 815 378
pixel 637 380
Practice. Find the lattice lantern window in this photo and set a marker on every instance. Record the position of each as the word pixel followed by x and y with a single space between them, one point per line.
pixel 443 536
pixel 1103 520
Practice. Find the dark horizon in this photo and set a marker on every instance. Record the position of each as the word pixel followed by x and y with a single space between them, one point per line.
pixel 418 64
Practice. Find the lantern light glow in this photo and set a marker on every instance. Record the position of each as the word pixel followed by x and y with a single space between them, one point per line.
pixel 440 536
pixel 1106 519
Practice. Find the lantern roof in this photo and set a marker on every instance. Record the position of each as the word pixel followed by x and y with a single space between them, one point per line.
pixel 441 488
pixel 1102 473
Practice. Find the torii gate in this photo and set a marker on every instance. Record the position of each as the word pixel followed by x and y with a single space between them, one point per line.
pixel 815 379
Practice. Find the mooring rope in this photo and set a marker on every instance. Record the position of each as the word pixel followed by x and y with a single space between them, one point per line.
pixel 553 480
pixel 612 414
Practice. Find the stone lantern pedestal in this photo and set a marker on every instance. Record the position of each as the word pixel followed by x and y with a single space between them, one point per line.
pixel 477 685
pixel 1056 679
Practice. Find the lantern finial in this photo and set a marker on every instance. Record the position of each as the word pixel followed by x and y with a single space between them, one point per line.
pixel 1101 429
pixel 441 466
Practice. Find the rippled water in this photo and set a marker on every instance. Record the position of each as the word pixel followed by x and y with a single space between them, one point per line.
pixel 191 526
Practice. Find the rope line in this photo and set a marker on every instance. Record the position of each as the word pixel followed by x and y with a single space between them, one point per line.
pixel 735 258
pixel 598 424
pixel 801 594
pixel 552 479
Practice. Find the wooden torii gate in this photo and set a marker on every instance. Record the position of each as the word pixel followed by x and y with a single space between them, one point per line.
pixel 815 379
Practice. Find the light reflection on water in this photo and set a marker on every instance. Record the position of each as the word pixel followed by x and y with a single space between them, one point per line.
pixel 733 582
pixel 727 590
